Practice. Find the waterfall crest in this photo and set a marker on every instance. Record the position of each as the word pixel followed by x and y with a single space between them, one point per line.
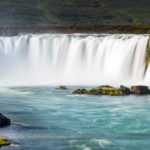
pixel 77 59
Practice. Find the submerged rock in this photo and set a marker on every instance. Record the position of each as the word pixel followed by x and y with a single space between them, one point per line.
pixel 4 121
pixel 62 87
pixel 4 141
pixel 140 90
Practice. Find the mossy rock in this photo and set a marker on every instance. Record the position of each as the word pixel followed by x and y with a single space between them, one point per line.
pixel 112 91
pixel 4 141
pixel 107 91
pixel 80 91
pixel 101 91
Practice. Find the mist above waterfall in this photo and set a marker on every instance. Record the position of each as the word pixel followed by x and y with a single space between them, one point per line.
pixel 77 59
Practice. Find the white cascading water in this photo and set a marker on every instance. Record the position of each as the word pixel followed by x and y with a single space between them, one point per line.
pixel 78 59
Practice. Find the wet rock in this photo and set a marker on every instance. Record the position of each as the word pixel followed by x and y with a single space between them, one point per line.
pixel 112 91
pixel 4 141
pixel 125 90
pixel 101 91
pixel 4 121
pixel 109 91
pixel 62 87
pixel 80 91
pixel 140 90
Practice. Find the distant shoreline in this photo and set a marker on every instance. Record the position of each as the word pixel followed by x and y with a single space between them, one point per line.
pixel 112 29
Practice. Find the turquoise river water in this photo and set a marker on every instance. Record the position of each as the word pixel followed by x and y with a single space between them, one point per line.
pixel 45 118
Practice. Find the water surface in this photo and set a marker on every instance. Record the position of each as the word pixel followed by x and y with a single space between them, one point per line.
pixel 44 118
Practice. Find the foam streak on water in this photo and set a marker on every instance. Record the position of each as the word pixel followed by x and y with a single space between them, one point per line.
pixel 54 59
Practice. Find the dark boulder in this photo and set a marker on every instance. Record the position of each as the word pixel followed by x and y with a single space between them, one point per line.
pixel 140 90
pixel 125 90
pixel 62 87
pixel 4 121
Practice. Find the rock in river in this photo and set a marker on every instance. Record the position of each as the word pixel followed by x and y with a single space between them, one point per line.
pixel 140 90
pixel 101 91
pixel 4 141
pixel 125 90
pixel 62 87
pixel 4 121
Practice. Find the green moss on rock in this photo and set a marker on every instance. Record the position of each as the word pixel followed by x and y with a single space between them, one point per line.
pixel 112 91
pixel 104 90
pixel 80 91
pixel 4 141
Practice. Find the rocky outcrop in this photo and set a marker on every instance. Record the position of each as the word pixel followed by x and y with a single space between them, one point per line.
pixel 140 90
pixel 4 141
pixel 104 90
pixel 108 90
pixel 4 121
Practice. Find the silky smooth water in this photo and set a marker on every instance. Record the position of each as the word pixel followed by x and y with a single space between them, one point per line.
pixel 74 59
pixel 45 118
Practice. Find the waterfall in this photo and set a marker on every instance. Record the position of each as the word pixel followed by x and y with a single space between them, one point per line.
pixel 73 59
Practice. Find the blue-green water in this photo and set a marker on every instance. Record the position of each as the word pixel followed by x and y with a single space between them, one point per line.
pixel 49 119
